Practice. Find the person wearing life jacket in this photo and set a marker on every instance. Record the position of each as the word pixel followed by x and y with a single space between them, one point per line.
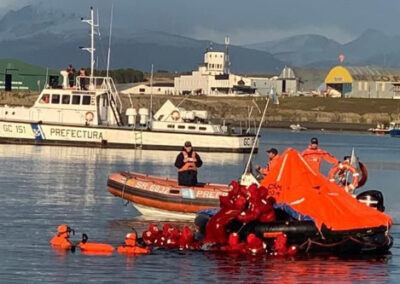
pixel 82 79
pixel 187 162
pixel 131 247
pixel 314 156
pixel 61 239
pixel 273 158
pixel 71 74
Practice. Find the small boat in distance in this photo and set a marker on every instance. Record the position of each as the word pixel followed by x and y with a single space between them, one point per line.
pixel 158 196
pixel 394 129
pixel 90 114
pixel 380 129
pixel 297 127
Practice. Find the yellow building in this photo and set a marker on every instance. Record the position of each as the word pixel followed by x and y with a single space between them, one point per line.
pixel 364 82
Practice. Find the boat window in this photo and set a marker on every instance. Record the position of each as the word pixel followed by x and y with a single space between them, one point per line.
pixel 76 100
pixel 45 99
pixel 202 128
pixel 171 126
pixel 66 99
pixel 86 100
pixel 192 127
pixel 55 99
pixel 181 126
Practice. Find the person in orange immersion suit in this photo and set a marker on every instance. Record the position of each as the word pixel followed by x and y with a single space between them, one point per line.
pixel 61 239
pixel 131 247
pixel 273 158
pixel 314 156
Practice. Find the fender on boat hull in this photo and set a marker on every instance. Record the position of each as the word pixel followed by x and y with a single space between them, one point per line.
pixel 165 194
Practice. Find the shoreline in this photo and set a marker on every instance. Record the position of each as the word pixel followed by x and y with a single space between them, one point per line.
pixel 313 113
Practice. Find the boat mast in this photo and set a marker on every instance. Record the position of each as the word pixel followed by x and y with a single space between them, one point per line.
pixel 109 40
pixel 91 49
pixel 151 93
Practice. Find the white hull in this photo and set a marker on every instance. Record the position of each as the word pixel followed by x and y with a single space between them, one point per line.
pixel 152 213
pixel 26 132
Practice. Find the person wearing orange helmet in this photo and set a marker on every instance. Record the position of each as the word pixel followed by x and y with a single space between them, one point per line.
pixel 131 247
pixel 61 239
pixel 314 155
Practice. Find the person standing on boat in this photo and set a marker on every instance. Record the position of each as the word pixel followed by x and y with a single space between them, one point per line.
pixel 273 158
pixel 82 75
pixel 187 162
pixel 71 74
pixel 314 155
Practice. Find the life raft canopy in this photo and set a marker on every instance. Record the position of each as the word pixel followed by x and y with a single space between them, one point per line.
pixel 294 184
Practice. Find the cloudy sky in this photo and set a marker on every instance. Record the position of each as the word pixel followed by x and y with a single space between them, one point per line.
pixel 245 21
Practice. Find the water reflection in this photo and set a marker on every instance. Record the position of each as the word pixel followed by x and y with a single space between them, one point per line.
pixel 41 187
pixel 329 269
pixel 69 176
pixel 73 155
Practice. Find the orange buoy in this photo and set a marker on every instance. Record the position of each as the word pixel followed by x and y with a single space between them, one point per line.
pixel 132 250
pixel 96 248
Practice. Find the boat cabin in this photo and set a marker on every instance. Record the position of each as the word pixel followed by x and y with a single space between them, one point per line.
pixel 99 105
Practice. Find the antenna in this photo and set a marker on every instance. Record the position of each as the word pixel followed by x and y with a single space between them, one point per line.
pixel 227 63
pixel 256 138
pixel 151 93
pixel 91 49
pixel 47 76
pixel 109 40
pixel 98 25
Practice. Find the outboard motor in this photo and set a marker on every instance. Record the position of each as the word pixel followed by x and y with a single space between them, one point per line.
pixel 372 198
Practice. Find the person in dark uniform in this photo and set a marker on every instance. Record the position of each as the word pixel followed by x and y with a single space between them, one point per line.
pixel 82 79
pixel 71 75
pixel 187 162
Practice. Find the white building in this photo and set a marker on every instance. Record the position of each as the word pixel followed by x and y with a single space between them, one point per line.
pixel 294 81
pixel 156 89
pixel 264 85
pixel 213 78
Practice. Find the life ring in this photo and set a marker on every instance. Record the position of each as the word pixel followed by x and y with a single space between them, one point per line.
pixel 89 116
pixel 175 115
pixel 364 174
pixel 337 173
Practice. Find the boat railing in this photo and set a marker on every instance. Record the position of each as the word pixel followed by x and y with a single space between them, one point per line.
pixel 100 84
pixel 105 84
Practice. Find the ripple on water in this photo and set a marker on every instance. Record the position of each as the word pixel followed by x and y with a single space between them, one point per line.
pixel 41 187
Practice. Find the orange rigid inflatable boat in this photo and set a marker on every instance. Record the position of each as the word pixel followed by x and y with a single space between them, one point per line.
pixel 165 194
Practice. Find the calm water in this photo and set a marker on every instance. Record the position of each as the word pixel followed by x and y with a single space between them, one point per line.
pixel 41 187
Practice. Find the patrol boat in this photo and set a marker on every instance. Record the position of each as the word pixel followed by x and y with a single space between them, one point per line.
pixel 90 114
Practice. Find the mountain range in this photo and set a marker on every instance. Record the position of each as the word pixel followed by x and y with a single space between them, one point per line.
pixel 50 38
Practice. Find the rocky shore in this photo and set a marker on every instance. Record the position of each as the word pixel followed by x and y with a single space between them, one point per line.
pixel 310 112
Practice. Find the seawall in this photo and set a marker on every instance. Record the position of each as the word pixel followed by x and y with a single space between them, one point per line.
pixel 310 112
